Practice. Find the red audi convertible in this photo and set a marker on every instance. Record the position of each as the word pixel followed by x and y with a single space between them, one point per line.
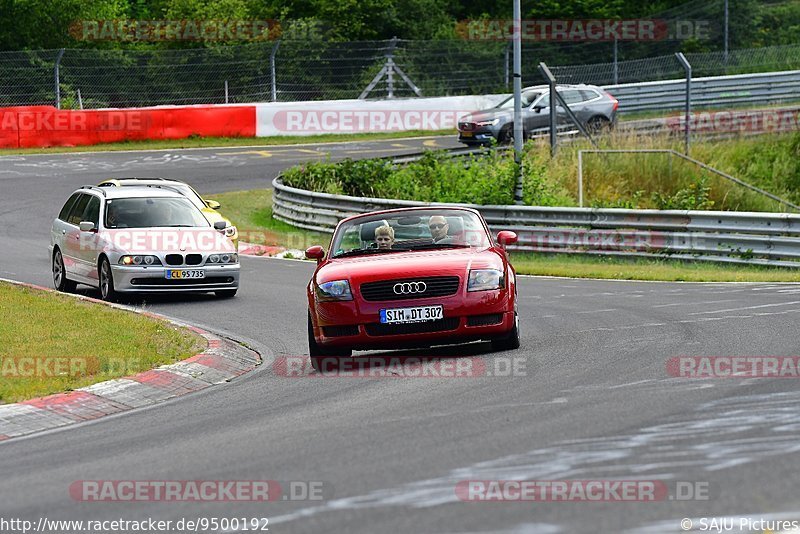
pixel 411 277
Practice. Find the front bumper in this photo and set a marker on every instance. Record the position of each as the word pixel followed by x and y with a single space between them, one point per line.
pixel 152 278
pixel 482 137
pixel 482 315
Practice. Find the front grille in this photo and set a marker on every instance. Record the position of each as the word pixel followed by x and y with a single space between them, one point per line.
pixel 194 259
pixel 174 259
pixel 484 320
pixel 436 286
pixel 339 331
pixel 208 281
pixel 440 325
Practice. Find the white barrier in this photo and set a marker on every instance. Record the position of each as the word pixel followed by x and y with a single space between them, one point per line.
pixel 363 116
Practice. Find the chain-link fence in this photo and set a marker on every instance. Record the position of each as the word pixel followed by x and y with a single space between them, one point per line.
pixel 320 70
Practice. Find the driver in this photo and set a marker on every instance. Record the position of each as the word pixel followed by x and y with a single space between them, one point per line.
pixel 384 237
pixel 439 228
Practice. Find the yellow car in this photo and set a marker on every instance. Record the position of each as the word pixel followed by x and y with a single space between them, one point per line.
pixel 208 207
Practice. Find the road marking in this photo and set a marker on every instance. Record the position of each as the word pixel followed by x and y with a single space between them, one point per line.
pixel 748 307
pixel 262 153
pixel 690 303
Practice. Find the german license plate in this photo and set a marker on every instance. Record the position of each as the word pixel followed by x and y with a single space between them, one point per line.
pixel 182 274
pixel 466 134
pixel 417 314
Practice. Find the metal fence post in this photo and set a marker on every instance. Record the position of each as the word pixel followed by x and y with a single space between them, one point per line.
pixel 56 75
pixel 616 62
pixel 274 82
pixel 80 100
pixel 390 68
pixel 226 91
pixel 507 66
pixel 518 121
pixel 580 178
pixel 551 81
pixel 688 68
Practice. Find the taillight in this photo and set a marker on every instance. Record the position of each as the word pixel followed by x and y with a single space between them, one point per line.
pixel 616 102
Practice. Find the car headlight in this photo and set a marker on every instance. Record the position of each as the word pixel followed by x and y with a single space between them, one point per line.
pixel 230 231
pixel 225 257
pixel 488 123
pixel 335 290
pixel 139 260
pixel 485 279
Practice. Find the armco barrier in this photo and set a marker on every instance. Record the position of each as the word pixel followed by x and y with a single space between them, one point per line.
pixel 45 126
pixel 360 116
pixel 722 236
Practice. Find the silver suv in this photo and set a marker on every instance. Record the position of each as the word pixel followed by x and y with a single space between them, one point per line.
pixel 593 106
pixel 140 239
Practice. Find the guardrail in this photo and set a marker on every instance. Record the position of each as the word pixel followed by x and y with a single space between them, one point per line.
pixel 720 236
pixel 716 91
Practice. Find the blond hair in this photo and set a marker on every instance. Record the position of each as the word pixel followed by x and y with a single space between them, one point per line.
pixel 384 230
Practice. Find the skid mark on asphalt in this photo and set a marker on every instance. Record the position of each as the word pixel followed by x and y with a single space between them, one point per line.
pixel 715 436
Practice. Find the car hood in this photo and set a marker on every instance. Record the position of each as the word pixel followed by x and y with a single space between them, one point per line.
pixel 213 216
pixel 487 115
pixel 202 240
pixel 393 265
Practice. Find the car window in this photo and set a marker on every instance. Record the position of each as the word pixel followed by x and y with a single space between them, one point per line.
pixel 528 98
pixel 572 96
pixel 422 229
pixel 78 208
pixel 587 94
pixel 64 213
pixel 544 102
pixel 92 211
pixel 153 212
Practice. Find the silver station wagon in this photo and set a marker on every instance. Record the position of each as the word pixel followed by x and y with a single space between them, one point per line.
pixel 140 239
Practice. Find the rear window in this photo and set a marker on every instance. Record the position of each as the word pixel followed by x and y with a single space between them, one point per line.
pixel 64 213
pixel 588 94
pixel 77 210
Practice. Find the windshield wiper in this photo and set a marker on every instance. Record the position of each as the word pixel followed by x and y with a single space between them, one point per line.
pixel 365 251
pixel 439 245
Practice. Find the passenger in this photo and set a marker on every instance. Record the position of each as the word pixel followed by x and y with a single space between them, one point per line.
pixel 439 228
pixel 384 237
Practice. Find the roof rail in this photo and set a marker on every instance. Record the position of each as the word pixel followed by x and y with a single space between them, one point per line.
pixel 94 188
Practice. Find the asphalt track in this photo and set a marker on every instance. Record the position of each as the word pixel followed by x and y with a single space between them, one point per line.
pixel 592 398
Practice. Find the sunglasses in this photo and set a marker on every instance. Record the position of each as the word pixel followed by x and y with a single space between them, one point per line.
pixel 437 226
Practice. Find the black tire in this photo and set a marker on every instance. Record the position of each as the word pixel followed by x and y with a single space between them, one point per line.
pixel 317 354
pixel 506 135
pixel 226 293
pixel 598 124
pixel 509 341
pixel 106 282
pixel 60 280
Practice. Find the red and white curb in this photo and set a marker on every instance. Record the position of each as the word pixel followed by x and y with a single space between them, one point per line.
pixel 271 251
pixel 221 361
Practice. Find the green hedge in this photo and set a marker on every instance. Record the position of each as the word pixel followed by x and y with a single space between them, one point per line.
pixel 434 178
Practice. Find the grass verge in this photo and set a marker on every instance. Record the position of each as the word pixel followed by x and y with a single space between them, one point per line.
pixel 224 142
pixel 665 270
pixel 51 343
pixel 251 211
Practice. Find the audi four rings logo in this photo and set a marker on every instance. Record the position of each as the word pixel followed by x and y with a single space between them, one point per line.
pixel 408 288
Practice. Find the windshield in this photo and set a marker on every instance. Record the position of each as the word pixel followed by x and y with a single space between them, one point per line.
pixel 151 212
pixel 528 98
pixel 424 229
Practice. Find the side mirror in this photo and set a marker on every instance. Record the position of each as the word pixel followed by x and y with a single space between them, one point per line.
pixel 86 226
pixel 213 204
pixel 538 109
pixel 506 237
pixel 315 253
pixel 220 225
